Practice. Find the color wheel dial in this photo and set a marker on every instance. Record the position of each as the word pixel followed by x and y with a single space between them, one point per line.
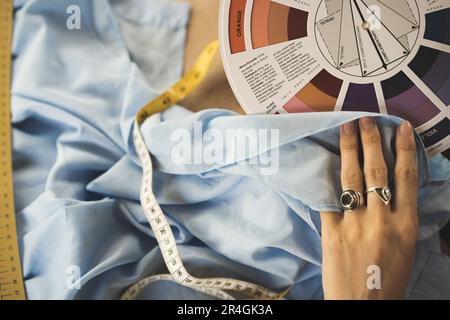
pixel 365 38
pixel 383 56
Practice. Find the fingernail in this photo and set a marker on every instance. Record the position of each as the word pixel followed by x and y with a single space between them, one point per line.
pixel 406 129
pixel 349 128
pixel 367 123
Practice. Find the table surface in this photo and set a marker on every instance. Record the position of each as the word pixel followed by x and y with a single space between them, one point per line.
pixel 215 91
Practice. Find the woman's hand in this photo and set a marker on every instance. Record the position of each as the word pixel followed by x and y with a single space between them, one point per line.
pixel 374 237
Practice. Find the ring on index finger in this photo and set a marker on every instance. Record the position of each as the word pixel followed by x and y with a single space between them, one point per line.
pixel 351 200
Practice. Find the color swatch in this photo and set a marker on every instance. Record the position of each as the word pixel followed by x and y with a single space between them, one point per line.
pixel 274 23
pixel 361 97
pixel 319 95
pixel 236 26
pixel 438 26
pixel 404 99
pixel 433 66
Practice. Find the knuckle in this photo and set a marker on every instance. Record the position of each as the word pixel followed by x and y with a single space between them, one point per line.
pixel 409 234
pixel 332 241
pixel 376 173
pixel 408 205
pixel 354 235
pixel 408 175
pixel 407 145
pixel 382 218
pixel 352 178
pixel 371 139
pixel 349 146
pixel 381 234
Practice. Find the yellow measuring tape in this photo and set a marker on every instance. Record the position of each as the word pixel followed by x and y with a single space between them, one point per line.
pixel 11 284
pixel 183 87
pixel 217 287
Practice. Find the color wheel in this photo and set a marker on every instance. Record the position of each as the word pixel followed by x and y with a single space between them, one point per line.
pixel 383 56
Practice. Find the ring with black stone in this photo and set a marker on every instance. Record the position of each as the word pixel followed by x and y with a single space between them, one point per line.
pixel 350 200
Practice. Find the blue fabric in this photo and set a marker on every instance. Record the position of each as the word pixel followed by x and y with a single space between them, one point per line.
pixel 77 177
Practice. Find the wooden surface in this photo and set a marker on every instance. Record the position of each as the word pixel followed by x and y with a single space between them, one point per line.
pixel 214 92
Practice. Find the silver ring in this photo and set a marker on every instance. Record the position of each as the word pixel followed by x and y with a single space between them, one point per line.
pixel 383 193
pixel 350 200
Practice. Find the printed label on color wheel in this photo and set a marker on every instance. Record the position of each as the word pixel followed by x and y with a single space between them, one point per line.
pixel 383 56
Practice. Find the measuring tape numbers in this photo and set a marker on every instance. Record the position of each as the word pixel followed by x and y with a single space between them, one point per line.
pixel 11 284
pixel 216 287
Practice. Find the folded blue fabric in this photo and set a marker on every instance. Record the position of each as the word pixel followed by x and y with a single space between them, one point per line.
pixel 77 176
